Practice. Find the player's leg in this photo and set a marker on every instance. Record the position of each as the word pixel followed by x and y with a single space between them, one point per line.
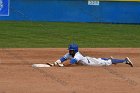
pixel 108 61
pixel 115 61
pixel 126 61
pixel 98 62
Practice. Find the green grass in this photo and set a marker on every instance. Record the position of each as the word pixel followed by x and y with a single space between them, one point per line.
pixel 58 34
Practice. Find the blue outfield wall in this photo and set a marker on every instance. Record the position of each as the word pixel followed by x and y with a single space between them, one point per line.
pixel 73 11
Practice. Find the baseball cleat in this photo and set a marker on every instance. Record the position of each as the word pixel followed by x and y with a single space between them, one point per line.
pixel 111 57
pixel 128 61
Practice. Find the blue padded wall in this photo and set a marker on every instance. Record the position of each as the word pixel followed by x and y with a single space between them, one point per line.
pixel 73 11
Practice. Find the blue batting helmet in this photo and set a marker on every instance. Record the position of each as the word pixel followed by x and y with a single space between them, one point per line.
pixel 73 47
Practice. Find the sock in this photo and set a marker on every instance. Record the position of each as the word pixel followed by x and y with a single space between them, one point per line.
pixel 115 61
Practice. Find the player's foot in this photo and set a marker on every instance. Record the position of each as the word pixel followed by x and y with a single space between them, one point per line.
pixel 111 57
pixel 128 61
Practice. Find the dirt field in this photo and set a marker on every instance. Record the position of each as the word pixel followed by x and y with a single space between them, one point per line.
pixel 17 75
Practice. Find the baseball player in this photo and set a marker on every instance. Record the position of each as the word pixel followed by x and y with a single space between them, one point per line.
pixel 76 57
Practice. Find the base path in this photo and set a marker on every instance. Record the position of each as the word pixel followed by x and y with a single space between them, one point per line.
pixel 18 76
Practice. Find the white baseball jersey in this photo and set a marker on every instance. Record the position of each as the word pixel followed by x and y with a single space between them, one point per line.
pixel 88 60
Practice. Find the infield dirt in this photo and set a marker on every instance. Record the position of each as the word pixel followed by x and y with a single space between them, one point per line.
pixel 18 76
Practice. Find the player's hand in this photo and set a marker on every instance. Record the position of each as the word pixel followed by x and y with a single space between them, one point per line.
pixel 58 63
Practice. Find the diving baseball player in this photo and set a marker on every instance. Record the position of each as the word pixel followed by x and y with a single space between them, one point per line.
pixel 76 57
